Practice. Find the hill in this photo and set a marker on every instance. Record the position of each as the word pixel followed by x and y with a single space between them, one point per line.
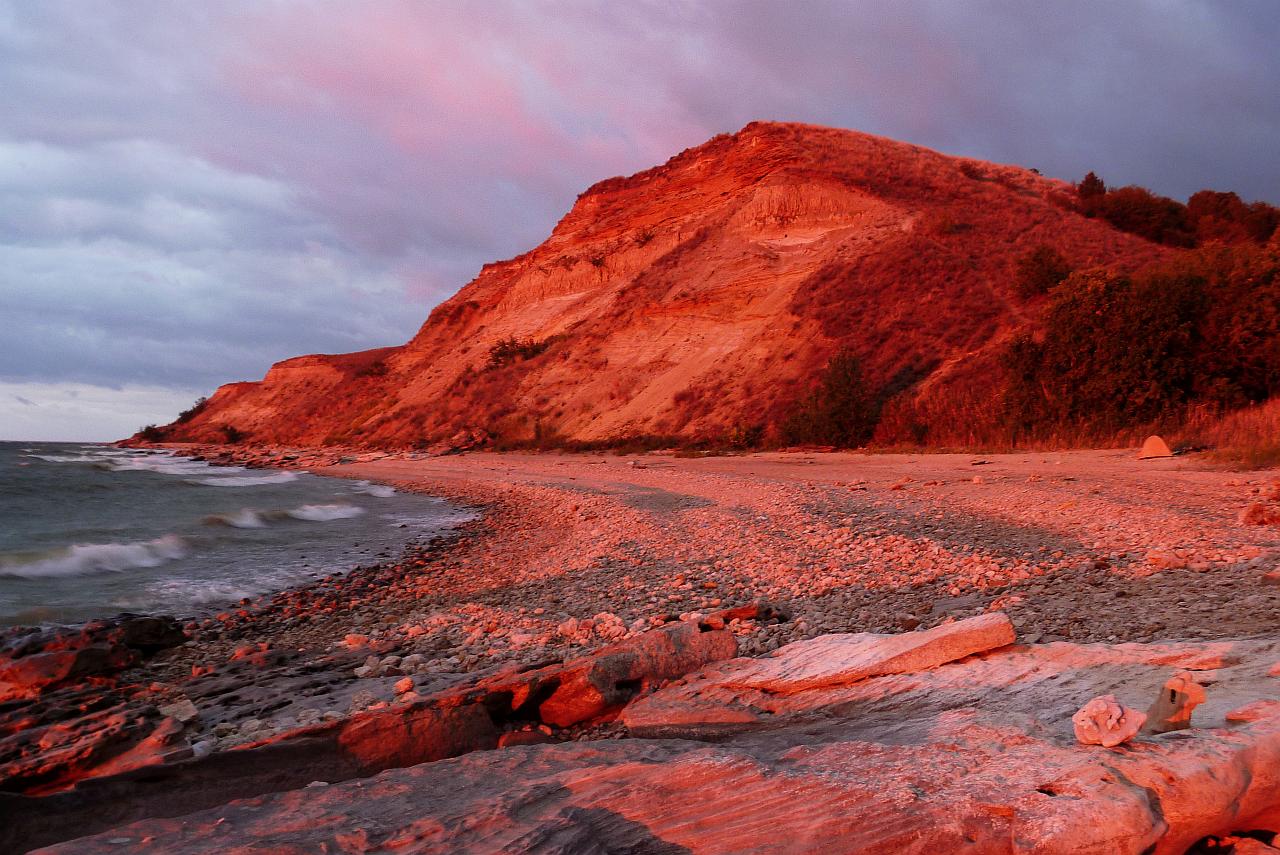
pixel 703 297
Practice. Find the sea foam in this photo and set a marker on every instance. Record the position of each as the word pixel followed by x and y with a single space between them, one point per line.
pixel 84 558
pixel 368 488
pixel 325 513
pixel 247 480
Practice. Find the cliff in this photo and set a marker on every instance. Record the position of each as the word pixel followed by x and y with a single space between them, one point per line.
pixel 702 295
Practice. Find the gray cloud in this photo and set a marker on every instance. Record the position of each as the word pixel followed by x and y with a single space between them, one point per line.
pixel 189 192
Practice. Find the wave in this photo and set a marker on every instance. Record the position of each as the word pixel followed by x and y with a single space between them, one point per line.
pixel 162 466
pixel 247 480
pixel 243 518
pixel 84 558
pixel 368 488
pixel 250 518
pixel 325 513
pixel 63 458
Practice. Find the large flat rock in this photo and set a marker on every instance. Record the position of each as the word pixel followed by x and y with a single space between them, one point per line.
pixel 843 658
pixel 973 756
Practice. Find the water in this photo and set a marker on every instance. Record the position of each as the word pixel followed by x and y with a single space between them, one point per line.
pixel 89 530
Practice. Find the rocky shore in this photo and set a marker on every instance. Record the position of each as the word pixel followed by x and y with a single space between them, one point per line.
pixel 575 565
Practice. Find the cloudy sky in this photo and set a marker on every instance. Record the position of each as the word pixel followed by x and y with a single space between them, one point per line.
pixel 192 191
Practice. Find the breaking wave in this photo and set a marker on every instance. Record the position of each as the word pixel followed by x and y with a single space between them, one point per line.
pixel 161 464
pixel 368 488
pixel 325 513
pixel 86 558
pixel 63 458
pixel 249 518
pixel 243 518
pixel 247 480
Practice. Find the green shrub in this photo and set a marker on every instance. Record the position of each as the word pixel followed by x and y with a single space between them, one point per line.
pixel 743 436
pixel 193 411
pixel 840 411
pixel 1121 351
pixel 1116 351
pixel 232 435
pixel 511 350
pixel 1040 271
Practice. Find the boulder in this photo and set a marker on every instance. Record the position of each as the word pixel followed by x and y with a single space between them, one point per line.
pixel 1036 686
pixel 1260 513
pixel 840 659
pixel 34 661
pixel 563 694
pixel 1173 706
pixel 54 751
pixel 471 716
pixel 1103 721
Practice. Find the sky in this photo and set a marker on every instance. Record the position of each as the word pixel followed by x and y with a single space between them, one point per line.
pixel 190 192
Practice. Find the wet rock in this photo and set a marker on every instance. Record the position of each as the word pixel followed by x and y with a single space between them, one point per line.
pixel 33 662
pixel 28 676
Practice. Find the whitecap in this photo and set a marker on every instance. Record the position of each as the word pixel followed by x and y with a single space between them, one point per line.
pixel 243 518
pixel 325 513
pixel 84 558
pixel 163 466
pixel 63 458
pixel 368 488
pixel 247 480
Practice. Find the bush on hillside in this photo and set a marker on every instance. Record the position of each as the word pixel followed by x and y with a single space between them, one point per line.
pixel 232 435
pixel 192 411
pixel 1208 216
pixel 744 435
pixel 1116 350
pixel 1040 271
pixel 1225 218
pixel 1091 187
pixel 1139 211
pixel 511 350
pixel 1119 351
pixel 841 411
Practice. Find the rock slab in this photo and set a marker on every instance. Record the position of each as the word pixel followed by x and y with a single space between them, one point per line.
pixel 844 658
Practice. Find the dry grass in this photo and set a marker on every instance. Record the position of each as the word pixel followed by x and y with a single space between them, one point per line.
pixel 1243 439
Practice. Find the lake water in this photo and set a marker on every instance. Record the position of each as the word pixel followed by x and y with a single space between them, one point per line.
pixel 90 530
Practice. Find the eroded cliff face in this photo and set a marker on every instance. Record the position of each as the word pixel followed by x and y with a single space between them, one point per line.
pixel 705 294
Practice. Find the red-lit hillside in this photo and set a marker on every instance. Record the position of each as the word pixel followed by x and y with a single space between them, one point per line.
pixel 705 294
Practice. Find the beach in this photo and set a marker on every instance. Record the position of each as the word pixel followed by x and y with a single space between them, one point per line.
pixel 569 554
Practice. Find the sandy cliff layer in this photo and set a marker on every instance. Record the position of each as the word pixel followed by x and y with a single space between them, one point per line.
pixel 704 294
